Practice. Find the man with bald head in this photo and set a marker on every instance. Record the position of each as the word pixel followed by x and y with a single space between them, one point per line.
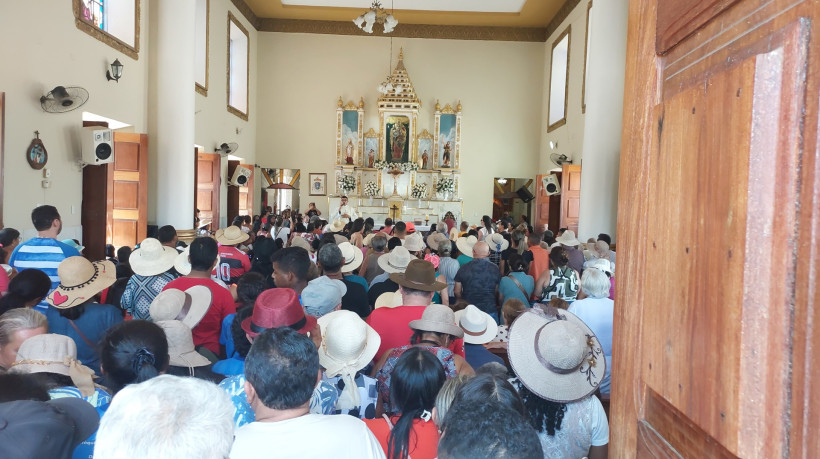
pixel 477 281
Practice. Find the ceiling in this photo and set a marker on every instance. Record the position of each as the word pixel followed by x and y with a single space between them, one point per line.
pixel 487 13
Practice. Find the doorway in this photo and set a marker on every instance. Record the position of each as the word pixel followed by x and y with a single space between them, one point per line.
pixel 512 196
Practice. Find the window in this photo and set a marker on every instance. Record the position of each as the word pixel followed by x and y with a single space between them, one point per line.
pixel 238 57
pixel 559 78
pixel 586 62
pixel 203 15
pixel 113 22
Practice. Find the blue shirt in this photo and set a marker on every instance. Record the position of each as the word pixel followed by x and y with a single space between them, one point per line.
pixel 93 323
pixel 509 289
pixel 477 355
pixel 479 279
pixel 44 254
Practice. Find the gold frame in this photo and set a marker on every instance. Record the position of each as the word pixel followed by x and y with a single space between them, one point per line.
pixel 447 110
pixel 198 87
pixel 341 107
pixel 370 134
pixel 231 108
pixel 310 183
pixel 426 135
pixel 563 120
pixel 107 38
pixel 584 75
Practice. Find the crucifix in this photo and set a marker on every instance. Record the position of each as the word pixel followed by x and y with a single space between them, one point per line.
pixel 394 211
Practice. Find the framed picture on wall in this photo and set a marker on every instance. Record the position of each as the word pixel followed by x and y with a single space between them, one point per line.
pixel 318 184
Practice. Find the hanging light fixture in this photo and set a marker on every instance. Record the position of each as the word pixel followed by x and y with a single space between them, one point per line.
pixel 376 15
pixel 387 85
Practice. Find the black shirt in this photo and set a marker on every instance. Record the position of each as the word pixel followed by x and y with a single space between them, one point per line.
pixel 355 299
pixel 380 287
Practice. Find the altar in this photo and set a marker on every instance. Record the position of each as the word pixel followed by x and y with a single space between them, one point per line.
pixel 423 213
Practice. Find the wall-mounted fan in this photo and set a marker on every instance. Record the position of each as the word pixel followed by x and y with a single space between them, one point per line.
pixel 227 148
pixel 559 159
pixel 63 99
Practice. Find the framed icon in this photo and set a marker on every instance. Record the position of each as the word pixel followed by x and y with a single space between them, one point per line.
pixel 318 184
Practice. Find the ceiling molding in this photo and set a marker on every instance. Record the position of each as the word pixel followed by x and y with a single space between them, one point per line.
pixel 560 16
pixel 246 11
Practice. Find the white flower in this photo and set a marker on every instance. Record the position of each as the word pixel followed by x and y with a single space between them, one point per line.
pixel 419 190
pixel 371 189
pixel 446 184
pixel 348 183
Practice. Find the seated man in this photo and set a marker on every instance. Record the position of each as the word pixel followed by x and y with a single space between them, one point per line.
pixel 331 261
pixel 489 430
pixel 282 369
pixel 290 268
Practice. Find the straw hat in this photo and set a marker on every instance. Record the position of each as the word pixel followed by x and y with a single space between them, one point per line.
pixel 396 261
pixel 152 258
pixel 568 238
pixel 278 307
pixel 339 239
pixel 231 235
pixel 389 300
pixel 434 239
pixel 414 242
pixel 80 280
pixel 348 343
pixel 557 357
pixel 367 239
pixel 299 241
pixel 181 350
pixel 479 327
pixel 189 306
pixel 52 353
pixel 603 264
pixel 337 225
pixel 352 255
pixel 419 275
pixel 465 245
pixel 497 242
pixel 437 318
pixel 183 265
pixel 322 294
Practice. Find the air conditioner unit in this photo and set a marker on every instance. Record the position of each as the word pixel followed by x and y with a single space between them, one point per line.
pixel 241 176
pixel 551 185
pixel 98 145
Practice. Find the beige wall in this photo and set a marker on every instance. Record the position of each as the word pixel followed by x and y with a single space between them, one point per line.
pixel 302 77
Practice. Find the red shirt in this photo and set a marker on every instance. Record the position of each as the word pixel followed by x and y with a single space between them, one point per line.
pixel 206 333
pixel 233 263
pixel 392 325
pixel 424 438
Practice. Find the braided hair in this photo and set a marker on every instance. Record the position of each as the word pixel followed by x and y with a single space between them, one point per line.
pixel 544 414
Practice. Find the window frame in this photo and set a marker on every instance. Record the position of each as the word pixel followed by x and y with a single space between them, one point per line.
pixel 586 51
pixel 236 111
pixel 198 87
pixel 563 120
pixel 107 38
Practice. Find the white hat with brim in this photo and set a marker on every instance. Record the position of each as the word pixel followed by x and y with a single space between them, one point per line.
pixel 352 257
pixel 435 239
pixel 231 235
pixel 389 300
pixel 396 261
pixel 152 258
pixel 188 306
pixel 183 265
pixel 367 239
pixel 348 343
pixel 437 318
pixel 497 242
pixel 414 242
pixel 568 238
pixel 479 327
pixel 80 280
pixel 465 245
pixel 181 349
pixel 299 241
pixel 337 225
pixel 603 264
pixel 557 357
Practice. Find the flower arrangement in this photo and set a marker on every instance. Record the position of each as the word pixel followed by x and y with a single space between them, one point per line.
pixel 347 183
pixel 371 189
pixel 383 165
pixel 419 190
pixel 445 185
pixel 404 167
pixel 409 167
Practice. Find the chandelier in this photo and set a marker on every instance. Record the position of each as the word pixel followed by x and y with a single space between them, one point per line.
pixel 376 15
pixel 389 85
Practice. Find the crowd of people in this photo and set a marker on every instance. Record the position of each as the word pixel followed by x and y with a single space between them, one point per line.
pixel 287 335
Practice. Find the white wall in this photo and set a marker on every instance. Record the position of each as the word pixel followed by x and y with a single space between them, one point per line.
pixel 498 83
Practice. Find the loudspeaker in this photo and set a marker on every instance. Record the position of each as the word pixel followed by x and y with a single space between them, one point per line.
pixel 524 194
pixel 241 176
pixel 98 145
pixel 551 185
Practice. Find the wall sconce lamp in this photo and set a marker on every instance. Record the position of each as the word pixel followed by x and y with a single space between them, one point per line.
pixel 115 73
pixel 553 144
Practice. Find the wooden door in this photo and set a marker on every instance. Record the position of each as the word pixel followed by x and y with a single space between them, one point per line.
pixel 127 203
pixel 717 232
pixel 208 167
pixel 542 205
pixel 570 196
pixel 2 142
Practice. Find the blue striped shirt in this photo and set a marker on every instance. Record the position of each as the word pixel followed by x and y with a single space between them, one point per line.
pixel 44 254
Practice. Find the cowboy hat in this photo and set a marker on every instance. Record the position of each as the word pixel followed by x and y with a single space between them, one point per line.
pixel 419 275
pixel 53 353
pixel 348 343
pixel 181 350
pixel 152 258
pixel 231 235
pixel 352 257
pixel 322 294
pixel 189 306
pixel 278 307
pixel 434 239
pixel 337 225
pixel 437 318
pixel 396 261
pixel 183 265
pixel 388 300
pixel 555 355
pixel 465 245
pixel 80 280
pixel 497 242
pixel 568 238
pixel 414 242
pixel 479 327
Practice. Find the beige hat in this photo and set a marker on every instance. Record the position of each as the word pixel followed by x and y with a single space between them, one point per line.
pixel 52 353
pixel 231 235
pixel 568 238
pixel 556 355
pixel 299 241
pixel 479 327
pixel 338 239
pixel 189 306
pixel 603 264
pixel 367 239
pixel 465 245
pixel 437 318
pixel 434 239
pixel 497 242
pixel 80 280
pixel 414 242
pixel 152 258
pixel 181 350
pixel 396 261
pixel 337 225
pixel 389 300
pixel 183 265
pixel 352 255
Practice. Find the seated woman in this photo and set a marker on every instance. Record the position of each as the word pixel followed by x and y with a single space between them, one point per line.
pixel 416 380
pixel 560 281
pixel 598 313
pixel 26 290
pixel 16 326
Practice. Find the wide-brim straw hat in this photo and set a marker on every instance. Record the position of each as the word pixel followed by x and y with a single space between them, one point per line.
pixel 183 265
pixel 278 307
pixel 396 261
pixel 465 245
pixel 348 343
pixel 188 306
pixel 419 275
pixel 435 239
pixel 352 257
pixel 437 318
pixel 497 242
pixel 231 235
pixel 389 300
pixel 53 353
pixel 152 258
pixel 181 349
pixel 337 225
pixel 414 242
pixel 556 357
pixel 479 327
pixel 80 280
pixel 367 239
pixel 568 238
pixel 299 241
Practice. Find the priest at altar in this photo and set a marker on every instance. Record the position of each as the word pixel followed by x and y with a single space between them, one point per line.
pixel 345 211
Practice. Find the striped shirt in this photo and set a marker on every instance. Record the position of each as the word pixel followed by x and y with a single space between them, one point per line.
pixel 44 254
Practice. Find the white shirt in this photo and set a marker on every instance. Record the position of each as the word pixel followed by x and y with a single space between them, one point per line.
pixel 308 436
pixel 349 210
pixel 598 314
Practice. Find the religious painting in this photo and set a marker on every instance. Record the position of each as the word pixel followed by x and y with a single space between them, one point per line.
pixel 425 150
pixel 349 119
pixel 350 134
pixel 370 154
pixel 447 142
pixel 36 154
pixel 397 130
pixel 318 184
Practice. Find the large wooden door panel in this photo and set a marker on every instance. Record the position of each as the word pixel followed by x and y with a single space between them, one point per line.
pixel 127 203
pixel 570 196
pixel 208 167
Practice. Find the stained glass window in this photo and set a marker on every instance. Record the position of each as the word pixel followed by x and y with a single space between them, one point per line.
pixel 93 12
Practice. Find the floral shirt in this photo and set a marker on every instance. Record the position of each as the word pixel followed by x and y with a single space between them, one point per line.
pixel 99 398
pixel 444 355
pixel 368 394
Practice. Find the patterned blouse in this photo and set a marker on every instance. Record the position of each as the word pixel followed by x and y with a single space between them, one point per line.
pixel 444 355
pixel 563 284
pixel 368 393
pixel 140 291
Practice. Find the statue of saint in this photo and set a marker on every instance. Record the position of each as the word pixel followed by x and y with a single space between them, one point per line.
pixel 371 158
pixel 445 158
pixel 349 152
